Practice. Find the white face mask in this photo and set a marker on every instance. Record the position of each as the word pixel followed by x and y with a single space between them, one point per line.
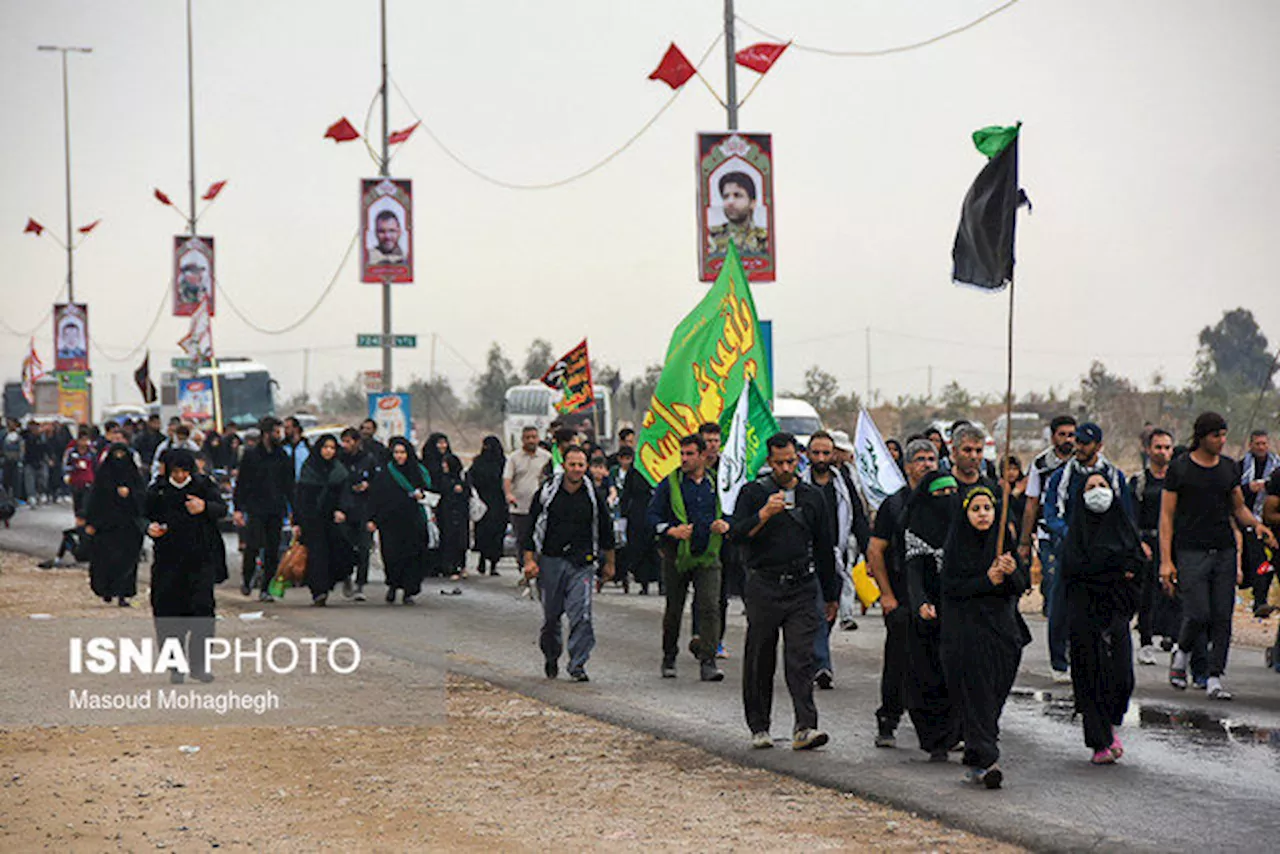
pixel 180 484
pixel 1099 499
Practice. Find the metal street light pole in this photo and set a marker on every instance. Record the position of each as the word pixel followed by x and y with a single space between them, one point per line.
pixel 385 172
pixel 191 129
pixel 66 143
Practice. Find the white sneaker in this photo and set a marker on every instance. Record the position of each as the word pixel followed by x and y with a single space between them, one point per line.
pixel 761 740
pixel 1062 677
pixel 1147 655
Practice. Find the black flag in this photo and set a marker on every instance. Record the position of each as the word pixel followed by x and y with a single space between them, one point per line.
pixel 983 252
pixel 142 377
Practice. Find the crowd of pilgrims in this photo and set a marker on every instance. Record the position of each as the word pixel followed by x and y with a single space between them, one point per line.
pixel 950 576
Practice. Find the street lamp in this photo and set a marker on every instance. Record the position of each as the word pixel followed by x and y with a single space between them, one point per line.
pixel 66 141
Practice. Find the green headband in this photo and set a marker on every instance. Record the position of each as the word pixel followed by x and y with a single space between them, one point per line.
pixel 941 483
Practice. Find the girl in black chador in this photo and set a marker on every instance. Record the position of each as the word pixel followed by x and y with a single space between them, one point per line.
pixel 330 555
pixel 114 518
pixel 184 508
pixel 1102 554
pixel 982 632
pixel 397 514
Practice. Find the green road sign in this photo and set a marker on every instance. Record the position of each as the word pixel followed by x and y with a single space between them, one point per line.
pixel 375 340
pixel 181 363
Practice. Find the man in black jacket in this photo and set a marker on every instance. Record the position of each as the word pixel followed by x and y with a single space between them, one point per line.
pixel 790 553
pixel 261 501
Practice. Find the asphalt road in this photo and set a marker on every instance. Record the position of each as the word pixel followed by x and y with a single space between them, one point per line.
pixel 1195 775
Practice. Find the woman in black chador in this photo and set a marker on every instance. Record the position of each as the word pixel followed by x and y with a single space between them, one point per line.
pixel 397 514
pixel 330 555
pixel 452 511
pixel 113 517
pixel 184 508
pixel 930 512
pixel 1102 554
pixel 485 477
pixel 982 632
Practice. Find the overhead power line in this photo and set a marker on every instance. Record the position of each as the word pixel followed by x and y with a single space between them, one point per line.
pixel 884 51
pixel 547 185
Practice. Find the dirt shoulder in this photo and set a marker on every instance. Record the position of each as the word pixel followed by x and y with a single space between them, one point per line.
pixel 505 771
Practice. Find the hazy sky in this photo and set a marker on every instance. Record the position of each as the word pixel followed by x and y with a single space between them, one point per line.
pixel 1150 149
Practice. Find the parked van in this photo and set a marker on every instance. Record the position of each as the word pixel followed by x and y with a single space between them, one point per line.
pixel 797 417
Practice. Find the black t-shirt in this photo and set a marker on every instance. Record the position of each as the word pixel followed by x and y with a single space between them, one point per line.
pixel 1203 518
pixel 1146 493
pixel 890 519
pixel 1273 485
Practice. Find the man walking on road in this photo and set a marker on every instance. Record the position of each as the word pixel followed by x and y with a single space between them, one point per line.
pixel 1201 495
pixel 571 531
pixel 790 553
pixel 850 529
pixel 261 501
pixel 1062 434
pixel 1258 465
pixel 886 560
pixel 685 513
pixel 521 476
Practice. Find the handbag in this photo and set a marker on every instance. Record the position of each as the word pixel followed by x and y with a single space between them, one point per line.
pixel 476 507
pixel 293 565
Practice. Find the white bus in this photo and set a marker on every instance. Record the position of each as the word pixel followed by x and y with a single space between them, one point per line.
pixel 533 405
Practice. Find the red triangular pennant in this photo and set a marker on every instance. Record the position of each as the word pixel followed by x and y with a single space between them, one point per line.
pixel 341 131
pixel 214 188
pixel 675 69
pixel 163 199
pixel 402 135
pixel 33 227
pixel 85 229
pixel 760 57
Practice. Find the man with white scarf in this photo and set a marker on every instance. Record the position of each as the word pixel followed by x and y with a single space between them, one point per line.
pixel 1257 467
pixel 851 530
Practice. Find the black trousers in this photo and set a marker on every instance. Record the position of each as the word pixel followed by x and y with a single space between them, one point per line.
pixel 1207 581
pixel 362 539
pixel 774 608
pixel 1101 662
pixel 261 534
pixel 935 718
pixel 897 663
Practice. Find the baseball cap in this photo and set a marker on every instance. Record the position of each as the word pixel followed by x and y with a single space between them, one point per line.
pixel 1088 432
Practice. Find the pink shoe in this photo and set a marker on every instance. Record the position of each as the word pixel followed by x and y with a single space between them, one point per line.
pixel 1103 757
pixel 1117 749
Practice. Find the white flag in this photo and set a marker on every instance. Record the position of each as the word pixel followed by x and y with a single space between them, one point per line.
pixel 732 473
pixel 198 342
pixel 880 475
pixel 32 370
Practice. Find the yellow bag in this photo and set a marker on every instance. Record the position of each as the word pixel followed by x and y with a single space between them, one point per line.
pixel 864 585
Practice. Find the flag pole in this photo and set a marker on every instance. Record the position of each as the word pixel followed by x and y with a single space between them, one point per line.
pixel 731 69
pixel 1008 430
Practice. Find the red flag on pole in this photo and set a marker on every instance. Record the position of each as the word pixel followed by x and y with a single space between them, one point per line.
pixel 675 69
pixel 32 370
pixel 214 188
pixel 163 199
pixel 85 229
pixel 760 57
pixel 341 131
pixel 33 227
pixel 402 135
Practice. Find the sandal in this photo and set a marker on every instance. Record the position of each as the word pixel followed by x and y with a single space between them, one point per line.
pixel 1178 679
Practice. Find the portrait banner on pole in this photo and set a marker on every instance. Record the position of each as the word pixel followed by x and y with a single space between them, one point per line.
pixel 193 274
pixel 70 337
pixel 386 230
pixel 735 203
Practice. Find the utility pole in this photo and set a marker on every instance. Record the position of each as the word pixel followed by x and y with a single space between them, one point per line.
pixel 730 67
pixel 191 129
pixel 930 397
pixel 306 371
pixel 385 172
pixel 66 145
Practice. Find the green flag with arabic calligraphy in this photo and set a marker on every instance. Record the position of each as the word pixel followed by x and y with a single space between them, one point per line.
pixel 713 351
